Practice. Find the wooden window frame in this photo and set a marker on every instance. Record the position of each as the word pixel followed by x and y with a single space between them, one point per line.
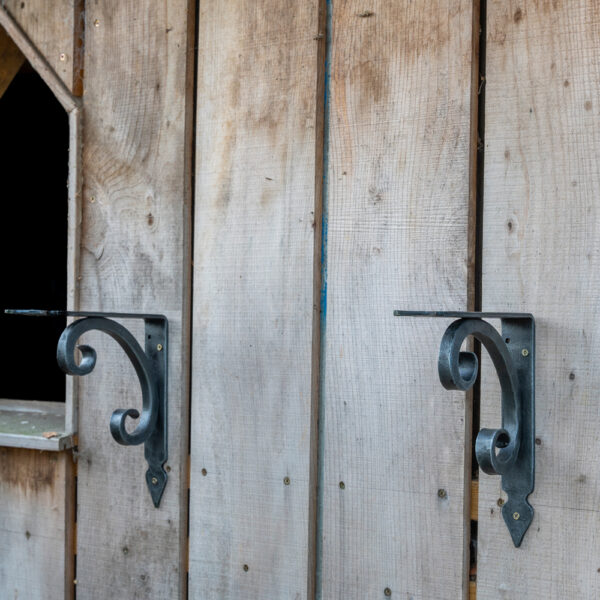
pixel 45 417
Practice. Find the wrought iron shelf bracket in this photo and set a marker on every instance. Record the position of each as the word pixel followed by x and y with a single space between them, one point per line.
pixel 510 450
pixel 151 368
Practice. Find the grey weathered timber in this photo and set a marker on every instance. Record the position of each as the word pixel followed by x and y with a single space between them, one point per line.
pixel 36 524
pixel 55 29
pixel 257 130
pixel 394 505
pixel 135 258
pixel 541 234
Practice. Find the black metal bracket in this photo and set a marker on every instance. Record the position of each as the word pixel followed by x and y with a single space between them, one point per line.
pixel 151 368
pixel 510 450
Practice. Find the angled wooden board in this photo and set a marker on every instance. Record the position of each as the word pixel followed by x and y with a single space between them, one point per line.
pixel 135 258
pixel 55 29
pixel 36 524
pixel 541 242
pixel 396 446
pixel 253 299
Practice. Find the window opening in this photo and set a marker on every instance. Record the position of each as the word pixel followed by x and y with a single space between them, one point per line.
pixel 34 149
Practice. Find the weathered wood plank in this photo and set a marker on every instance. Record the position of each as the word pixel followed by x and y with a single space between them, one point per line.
pixel 55 29
pixel 36 524
pixel 11 59
pixel 541 245
pixel 396 445
pixel 253 299
pixel 69 102
pixel 135 258
pixel 33 424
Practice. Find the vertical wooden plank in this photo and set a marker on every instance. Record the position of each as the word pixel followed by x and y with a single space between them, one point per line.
pixel 11 60
pixel 396 445
pixel 55 29
pixel 541 245
pixel 135 258
pixel 253 299
pixel 36 524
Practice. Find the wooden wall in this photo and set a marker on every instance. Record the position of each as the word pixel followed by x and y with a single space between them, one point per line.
pixel 395 445
pixel 37 495
pixel 37 489
pixel 56 30
pixel 334 161
pixel 11 59
pixel 541 242
pixel 135 257
pixel 256 168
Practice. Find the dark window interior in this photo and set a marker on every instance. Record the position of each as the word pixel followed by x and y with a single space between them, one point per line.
pixel 34 145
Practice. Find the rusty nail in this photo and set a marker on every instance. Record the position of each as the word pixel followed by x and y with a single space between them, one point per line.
pixel 387 592
pixel 342 485
pixel 442 493
pixel 286 480
pixel 500 502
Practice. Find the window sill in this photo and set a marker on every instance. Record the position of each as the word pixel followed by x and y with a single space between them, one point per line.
pixel 33 424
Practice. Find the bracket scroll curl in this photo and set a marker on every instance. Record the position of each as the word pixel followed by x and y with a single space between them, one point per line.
pixel 65 356
pixel 508 451
pixel 151 368
pixel 496 449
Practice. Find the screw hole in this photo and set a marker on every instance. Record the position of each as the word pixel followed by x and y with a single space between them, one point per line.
pixel 507 340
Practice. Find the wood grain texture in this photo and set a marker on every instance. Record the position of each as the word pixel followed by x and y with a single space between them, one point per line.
pixel 11 60
pixel 253 299
pixel 541 254
pixel 36 524
pixel 74 217
pixel 39 62
pixel 33 424
pixel 396 445
pixel 55 29
pixel 135 258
